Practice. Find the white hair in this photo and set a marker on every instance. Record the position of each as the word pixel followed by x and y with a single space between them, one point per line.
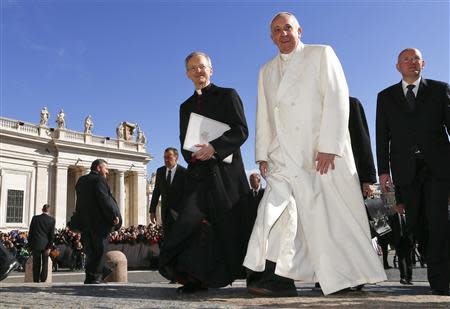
pixel 284 13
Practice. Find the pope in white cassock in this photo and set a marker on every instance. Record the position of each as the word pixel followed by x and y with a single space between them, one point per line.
pixel 311 221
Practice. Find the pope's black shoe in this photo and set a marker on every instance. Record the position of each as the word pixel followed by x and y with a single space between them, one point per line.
pixel 9 269
pixel 273 287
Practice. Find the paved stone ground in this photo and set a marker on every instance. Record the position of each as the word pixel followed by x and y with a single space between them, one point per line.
pixel 163 295
pixel 147 289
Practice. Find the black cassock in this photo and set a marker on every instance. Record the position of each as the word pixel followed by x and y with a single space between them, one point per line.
pixel 207 244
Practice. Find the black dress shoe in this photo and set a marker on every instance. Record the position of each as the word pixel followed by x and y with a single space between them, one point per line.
pixel 10 268
pixel 405 282
pixel 273 288
pixel 387 267
pixel 440 292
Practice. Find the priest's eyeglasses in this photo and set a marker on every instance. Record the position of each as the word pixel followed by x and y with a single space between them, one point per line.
pixel 200 67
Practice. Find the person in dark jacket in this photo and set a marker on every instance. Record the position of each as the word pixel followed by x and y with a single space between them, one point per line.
pixel 97 214
pixel 169 185
pixel 413 126
pixel 40 240
pixel 254 196
pixel 205 247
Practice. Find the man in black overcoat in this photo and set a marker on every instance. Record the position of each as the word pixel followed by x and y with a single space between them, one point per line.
pixel 254 196
pixel 412 127
pixel 40 240
pixel 169 185
pixel 96 215
pixel 205 247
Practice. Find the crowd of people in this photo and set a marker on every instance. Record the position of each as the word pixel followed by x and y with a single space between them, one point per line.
pixel 151 234
pixel 67 248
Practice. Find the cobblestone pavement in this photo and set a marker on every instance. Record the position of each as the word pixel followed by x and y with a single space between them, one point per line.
pixel 163 295
pixel 147 289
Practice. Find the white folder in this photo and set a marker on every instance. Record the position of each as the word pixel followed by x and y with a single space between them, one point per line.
pixel 202 130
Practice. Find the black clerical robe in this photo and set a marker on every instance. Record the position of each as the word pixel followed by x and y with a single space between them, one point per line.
pixel 206 244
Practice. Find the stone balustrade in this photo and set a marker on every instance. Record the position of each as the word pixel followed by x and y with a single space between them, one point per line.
pixel 12 125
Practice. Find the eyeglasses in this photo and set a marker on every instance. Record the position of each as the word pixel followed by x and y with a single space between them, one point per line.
pixel 411 59
pixel 200 67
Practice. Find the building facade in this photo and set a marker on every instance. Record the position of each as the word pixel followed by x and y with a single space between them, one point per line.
pixel 40 165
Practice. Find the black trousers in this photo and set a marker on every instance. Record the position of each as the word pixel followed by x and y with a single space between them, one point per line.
pixel 426 201
pixel 40 265
pixel 404 251
pixel 94 245
pixel 6 258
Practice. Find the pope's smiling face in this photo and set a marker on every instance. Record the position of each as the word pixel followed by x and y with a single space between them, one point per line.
pixel 286 33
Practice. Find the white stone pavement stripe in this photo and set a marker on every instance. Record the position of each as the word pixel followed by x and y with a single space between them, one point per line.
pixel 76 274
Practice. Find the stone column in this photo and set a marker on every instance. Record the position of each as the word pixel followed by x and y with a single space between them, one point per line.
pixel 121 195
pixel 61 195
pixel 141 197
pixel 41 187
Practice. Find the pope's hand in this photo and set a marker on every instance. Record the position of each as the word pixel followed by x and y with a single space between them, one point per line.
pixel 324 162
pixel 263 167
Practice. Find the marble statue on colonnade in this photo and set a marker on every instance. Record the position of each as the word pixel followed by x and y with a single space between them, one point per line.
pixel 60 121
pixel 88 125
pixel 44 117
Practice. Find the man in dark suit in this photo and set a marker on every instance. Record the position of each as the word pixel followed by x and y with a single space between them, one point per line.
pixel 40 240
pixel 205 247
pixel 413 123
pixel 402 241
pixel 254 196
pixel 169 186
pixel 97 214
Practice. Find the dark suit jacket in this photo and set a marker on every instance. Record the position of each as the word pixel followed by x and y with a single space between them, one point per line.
pixel 250 212
pixel 360 139
pixel 224 105
pixel 399 129
pixel 170 195
pixel 42 232
pixel 96 207
pixel 395 234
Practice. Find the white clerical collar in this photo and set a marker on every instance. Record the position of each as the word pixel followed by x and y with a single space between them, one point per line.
pixel 199 91
pixel 287 57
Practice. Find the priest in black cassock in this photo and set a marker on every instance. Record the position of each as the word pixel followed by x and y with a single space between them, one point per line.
pixel 206 247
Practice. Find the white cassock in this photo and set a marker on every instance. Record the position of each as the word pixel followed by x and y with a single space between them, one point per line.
pixel 314 227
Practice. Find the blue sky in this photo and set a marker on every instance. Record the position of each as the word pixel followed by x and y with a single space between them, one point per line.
pixel 122 60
